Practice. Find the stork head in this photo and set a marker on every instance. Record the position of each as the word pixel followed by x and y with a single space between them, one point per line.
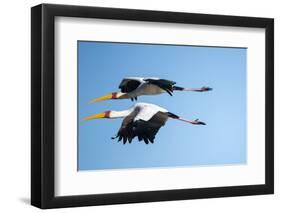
pixel 114 95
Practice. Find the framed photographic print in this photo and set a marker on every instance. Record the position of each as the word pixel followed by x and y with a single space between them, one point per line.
pixel 139 106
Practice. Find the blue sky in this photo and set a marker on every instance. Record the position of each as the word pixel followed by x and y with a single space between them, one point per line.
pixel 101 67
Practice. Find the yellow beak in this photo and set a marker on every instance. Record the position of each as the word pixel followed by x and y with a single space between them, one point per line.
pixel 102 98
pixel 100 115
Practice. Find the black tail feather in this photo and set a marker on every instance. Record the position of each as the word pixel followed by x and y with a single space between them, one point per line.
pixel 172 115
pixel 178 88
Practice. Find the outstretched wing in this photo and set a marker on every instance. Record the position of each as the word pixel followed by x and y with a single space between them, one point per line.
pixel 143 130
pixel 128 85
pixel 147 130
pixel 126 132
pixel 164 84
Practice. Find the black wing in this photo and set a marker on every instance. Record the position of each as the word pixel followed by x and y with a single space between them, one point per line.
pixel 147 130
pixel 143 130
pixel 129 85
pixel 164 84
pixel 126 130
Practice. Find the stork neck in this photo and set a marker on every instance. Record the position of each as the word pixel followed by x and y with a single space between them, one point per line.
pixel 120 114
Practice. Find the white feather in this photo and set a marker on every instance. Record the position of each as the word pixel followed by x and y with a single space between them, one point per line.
pixel 147 111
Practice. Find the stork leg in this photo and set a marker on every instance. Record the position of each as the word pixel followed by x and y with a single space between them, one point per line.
pixel 195 122
pixel 202 89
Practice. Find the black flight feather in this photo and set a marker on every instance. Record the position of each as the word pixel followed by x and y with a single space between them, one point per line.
pixel 143 130
pixel 164 84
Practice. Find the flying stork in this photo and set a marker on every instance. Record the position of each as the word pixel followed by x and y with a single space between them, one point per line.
pixel 143 121
pixel 132 87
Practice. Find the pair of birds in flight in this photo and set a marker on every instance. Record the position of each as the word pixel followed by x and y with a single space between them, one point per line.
pixel 143 120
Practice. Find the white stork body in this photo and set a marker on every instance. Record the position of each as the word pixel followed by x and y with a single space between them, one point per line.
pixel 144 88
pixel 143 121
pixel 132 87
pixel 146 111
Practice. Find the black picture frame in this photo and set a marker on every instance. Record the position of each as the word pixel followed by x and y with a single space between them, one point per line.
pixel 43 100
